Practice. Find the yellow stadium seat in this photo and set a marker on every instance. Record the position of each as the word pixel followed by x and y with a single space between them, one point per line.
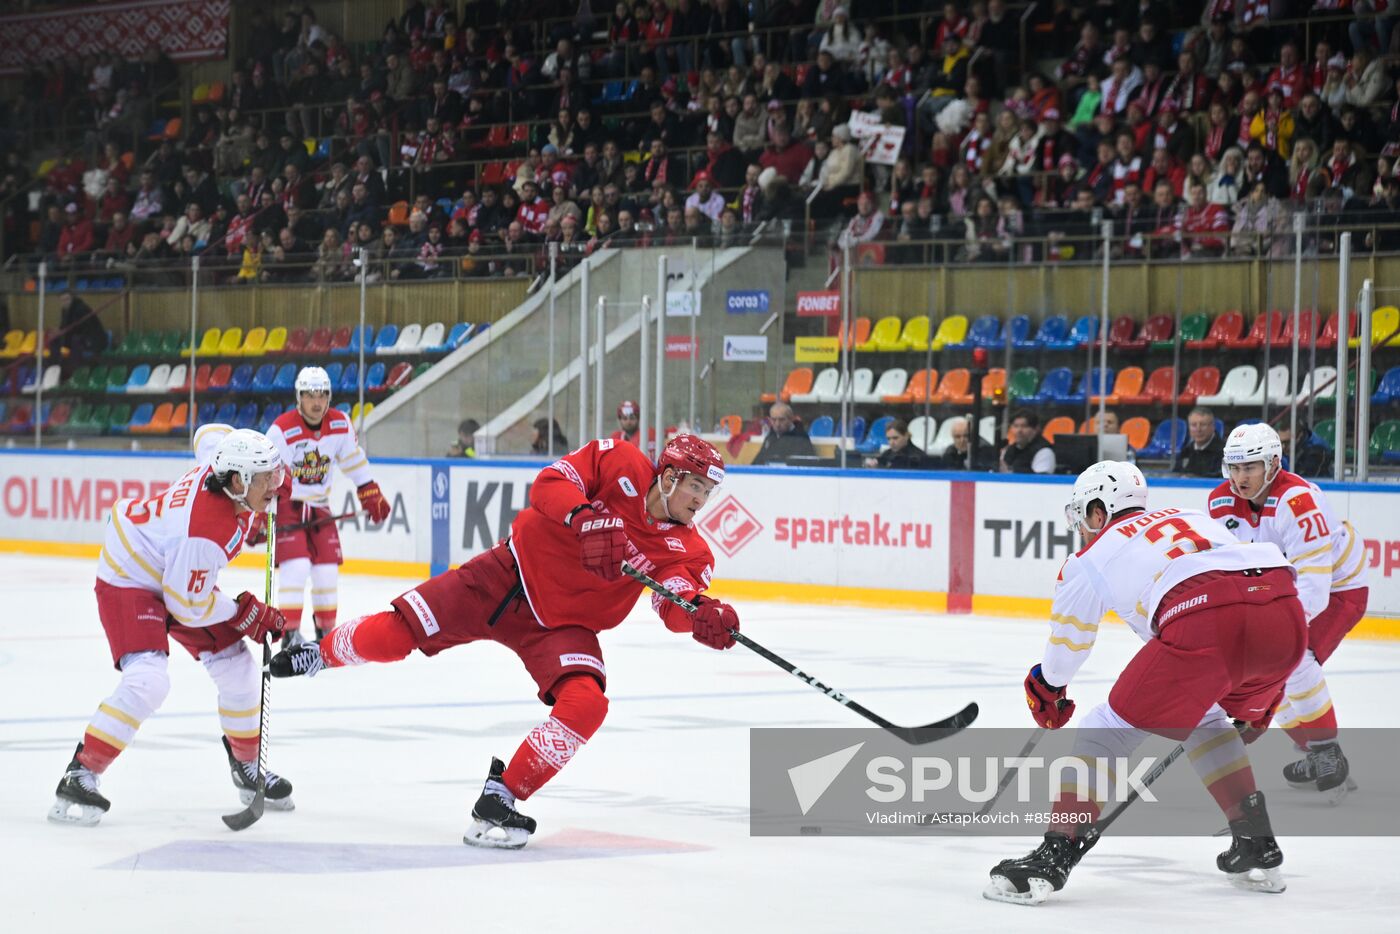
pixel 45 168
pixel 29 344
pixel 1385 328
pixel 201 93
pixel 951 330
pixel 915 336
pixel 255 344
pixel 231 344
pixel 12 341
pixel 208 344
pixel 883 336
pixel 276 340
pixel 355 411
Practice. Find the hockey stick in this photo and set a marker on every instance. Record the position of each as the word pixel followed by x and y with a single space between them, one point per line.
pixel 1006 779
pixel 312 523
pixel 915 736
pixel 254 811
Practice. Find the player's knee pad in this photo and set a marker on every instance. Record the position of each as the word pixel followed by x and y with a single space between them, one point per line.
pixel 293 573
pixel 233 670
pixel 1104 733
pixel 145 683
pixel 580 704
pixel 1306 676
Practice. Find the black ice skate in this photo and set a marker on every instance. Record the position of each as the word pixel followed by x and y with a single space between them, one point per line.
pixel 78 801
pixel 245 779
pixel 303 659
pixel 1030 879
pixel 1324 768
pixel 495 821
pixel 1253 858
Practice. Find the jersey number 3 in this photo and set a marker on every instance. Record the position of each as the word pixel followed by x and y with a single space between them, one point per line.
pixel 1183 533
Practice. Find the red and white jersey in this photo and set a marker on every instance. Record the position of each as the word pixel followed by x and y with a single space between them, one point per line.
pixel 561 593
pixel 175 544
pixel 1128 567
pixel 1327 553
pixel 309 453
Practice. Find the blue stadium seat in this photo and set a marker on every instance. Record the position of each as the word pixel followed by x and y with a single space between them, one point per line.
pixel 242 379
pixel 1054 386
pixel 1160 447
pixel 1053 328
pixel 349 381
pixel 142 416
pixel 358 336
pixel 247 416
pixel 376 375
pixel 286 379
pixel 1089 384
pixel 333 371
pixel 388 336
pixel 343 408
pixel 1017 329
pixel 455 338
pixel 269 415
pixel 138 379
pixel 227 413
pixel 875 437
pixel 983 333
pixel 264 378
pixel 1084 331
pixel 857 429
pixel 1389 389
pixel 207 412
pixel 822 427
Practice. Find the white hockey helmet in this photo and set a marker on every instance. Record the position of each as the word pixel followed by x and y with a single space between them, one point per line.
pixel 1250 443
pixel 1120 486
pixel 313 379
pixel 246 453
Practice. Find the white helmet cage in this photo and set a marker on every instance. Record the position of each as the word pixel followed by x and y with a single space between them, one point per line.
pixel 245 453
pixel 1118 485
pixel 312 379
pixel 1250 443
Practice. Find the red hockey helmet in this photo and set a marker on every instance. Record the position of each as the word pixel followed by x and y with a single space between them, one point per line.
pixel 628 409
pixel 692 454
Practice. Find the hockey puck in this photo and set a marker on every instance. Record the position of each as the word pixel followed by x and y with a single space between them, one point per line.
pixel 810 830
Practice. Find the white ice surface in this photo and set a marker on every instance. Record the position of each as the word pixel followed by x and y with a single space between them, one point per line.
pixel 388 759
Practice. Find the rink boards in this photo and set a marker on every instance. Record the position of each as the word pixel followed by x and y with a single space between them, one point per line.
pixel 935 541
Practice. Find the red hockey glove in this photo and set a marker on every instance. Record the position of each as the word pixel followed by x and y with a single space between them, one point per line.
pixel 712 623
pixel 602 541
pixel 373 502
pixel 1049 705
pixel 256 619
pixel 257 530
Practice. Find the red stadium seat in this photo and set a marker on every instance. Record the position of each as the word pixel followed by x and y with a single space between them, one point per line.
pixel 296 341
pixel 1307 327
pixel 1120 332
pixel 399 375
pixel 341 339
pixel 1229 326
pixel 1155 328
pixel 320 343
pixel 219 380
pixel 1266 327
pixel 1204 382
pixel 1160 387
pixel 202 375
pixel 1328 338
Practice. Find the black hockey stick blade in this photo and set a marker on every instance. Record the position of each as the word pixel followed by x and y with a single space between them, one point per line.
pixel 249 815
pixel 938 729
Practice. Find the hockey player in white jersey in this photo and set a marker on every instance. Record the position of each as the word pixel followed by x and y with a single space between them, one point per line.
pixel 157 579
pixel 1223 628
pixel 311 439
pixel 1261 502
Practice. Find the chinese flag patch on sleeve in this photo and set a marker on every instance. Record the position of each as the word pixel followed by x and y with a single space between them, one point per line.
pixel 1302 503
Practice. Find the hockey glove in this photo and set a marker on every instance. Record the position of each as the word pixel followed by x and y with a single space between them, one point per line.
pixel 1049 705
pixel 257 530
pixel 372 501
pixel 712 623
pixel 602 541
pixel 256 619
pixel 1254 729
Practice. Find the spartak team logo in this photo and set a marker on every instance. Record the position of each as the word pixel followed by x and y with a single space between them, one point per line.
pixel 312 468
pixel 730 526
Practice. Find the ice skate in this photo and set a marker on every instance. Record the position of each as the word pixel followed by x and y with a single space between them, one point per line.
pixel 245 778
pixel 1030 879
pixel 495 821
pixel 304 659
pixel 1253 860
pixel 1325 769
pixel 78 801
pixel 291 639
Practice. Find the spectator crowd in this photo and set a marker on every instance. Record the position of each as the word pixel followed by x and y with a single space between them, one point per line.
pixel 470 137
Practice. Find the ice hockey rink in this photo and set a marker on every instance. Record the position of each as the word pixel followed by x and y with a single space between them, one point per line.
pixel 645 831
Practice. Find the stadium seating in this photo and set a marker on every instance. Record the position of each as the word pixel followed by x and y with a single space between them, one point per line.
pixel 1266 327
pixel 1385 328
pixel 407 342
pixel 1120 332
pixel 1090 382
pixel 951 330
pixel 276 341
pixel 384 341
pixel 916 390
pixel 857 333
pixel 1193 327
pixel 953 388
pixel 264 379
pixel 1059 425
pixel 433 335
pixel 241 379
pixel 1275 385
pixel 1306 330
pixel 1227 326
pixel 399 376
pixel 255 344
pixel 982 333
pixel 1239 384
pixel 1388 390
pixel 375 376
pixel 1023 384
pixel 1205 381
pixel 159 380
pixel 1323 381
pixel 823 426
pixel 1139 432
pixel 1052 329
pixel 798 382
pixel 821 388
pixel 891 383
pixel 884 336
pixel 1158 390
pixel 1127 384
pixel 875 437
pixel 1160 447
pixel 231 343
pixel 915 334
pixel 922 431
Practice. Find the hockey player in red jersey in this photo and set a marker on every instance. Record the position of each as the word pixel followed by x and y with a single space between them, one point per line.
pixel 1223 628
pixel 312 439
pixel 1261 502
pixel 546 592
pixel 157 579
pixel 628 423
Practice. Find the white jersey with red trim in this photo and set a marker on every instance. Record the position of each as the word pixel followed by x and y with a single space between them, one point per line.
pixel 309 453
pixel 176 543
pixel 1128 568
pixel 1326 552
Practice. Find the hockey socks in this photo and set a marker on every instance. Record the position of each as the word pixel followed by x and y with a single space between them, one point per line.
pixel 579 709
pixel 1306 714
pixel 379 637
pixel 1217 753
pixel 143 687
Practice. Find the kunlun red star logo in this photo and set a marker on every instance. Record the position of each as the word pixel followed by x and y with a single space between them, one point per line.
pixel 730 526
